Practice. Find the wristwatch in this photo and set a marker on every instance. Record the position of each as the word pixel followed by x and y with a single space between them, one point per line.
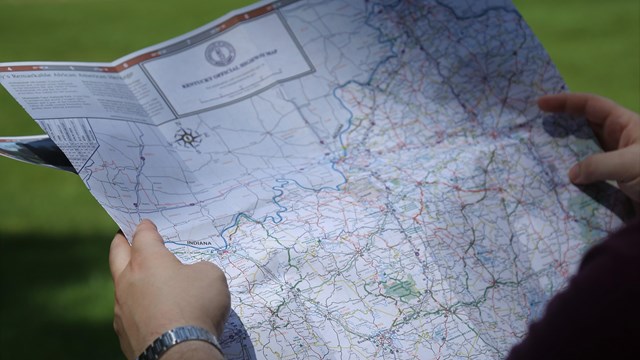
pixel 176 336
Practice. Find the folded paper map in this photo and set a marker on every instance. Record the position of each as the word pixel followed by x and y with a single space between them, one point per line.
pixel 374 177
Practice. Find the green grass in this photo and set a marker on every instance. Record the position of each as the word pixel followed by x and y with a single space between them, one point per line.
pixel 594 44
pixel 57 297
pixel 54 237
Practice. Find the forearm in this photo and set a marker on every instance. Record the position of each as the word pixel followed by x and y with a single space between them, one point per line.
pixel 193 350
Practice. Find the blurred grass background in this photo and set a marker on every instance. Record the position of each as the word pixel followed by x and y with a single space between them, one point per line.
pixel 56 292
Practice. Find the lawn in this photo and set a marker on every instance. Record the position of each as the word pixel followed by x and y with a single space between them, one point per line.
pixel 56 297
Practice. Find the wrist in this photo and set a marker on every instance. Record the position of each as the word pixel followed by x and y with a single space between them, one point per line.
pixel 148 334
pixel 193 350
pixel 205 341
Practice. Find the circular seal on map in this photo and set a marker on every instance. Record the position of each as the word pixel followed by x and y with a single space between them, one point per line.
pixel 220 53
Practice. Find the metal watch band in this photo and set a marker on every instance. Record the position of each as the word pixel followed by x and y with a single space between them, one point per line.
pixel 176 336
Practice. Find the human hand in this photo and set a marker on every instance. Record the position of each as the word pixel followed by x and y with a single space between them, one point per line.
pixel 618 131
pixel 155 292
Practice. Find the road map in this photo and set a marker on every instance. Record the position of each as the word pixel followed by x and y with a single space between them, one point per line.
pixel 374 177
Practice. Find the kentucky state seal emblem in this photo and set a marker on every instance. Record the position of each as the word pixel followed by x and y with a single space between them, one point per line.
pixel 220 53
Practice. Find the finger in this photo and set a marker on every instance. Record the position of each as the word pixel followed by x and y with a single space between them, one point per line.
pixel 632 189
pixel 621 165
pixel 597 109
pixel 119 255
pixel 146 237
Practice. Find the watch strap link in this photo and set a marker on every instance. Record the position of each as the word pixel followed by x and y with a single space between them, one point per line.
pixel 176 336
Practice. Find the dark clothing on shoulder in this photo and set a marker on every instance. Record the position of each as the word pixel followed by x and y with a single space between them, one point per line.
pixel 598 315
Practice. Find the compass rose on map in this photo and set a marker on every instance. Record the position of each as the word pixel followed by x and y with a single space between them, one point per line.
pixel 188 138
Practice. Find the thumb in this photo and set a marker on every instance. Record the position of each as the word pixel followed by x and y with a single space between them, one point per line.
pixel 119 255
pixel 147 240
pixel 621 165
pixel 146 236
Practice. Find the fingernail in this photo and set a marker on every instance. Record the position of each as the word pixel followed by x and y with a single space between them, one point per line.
pixel 574 173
